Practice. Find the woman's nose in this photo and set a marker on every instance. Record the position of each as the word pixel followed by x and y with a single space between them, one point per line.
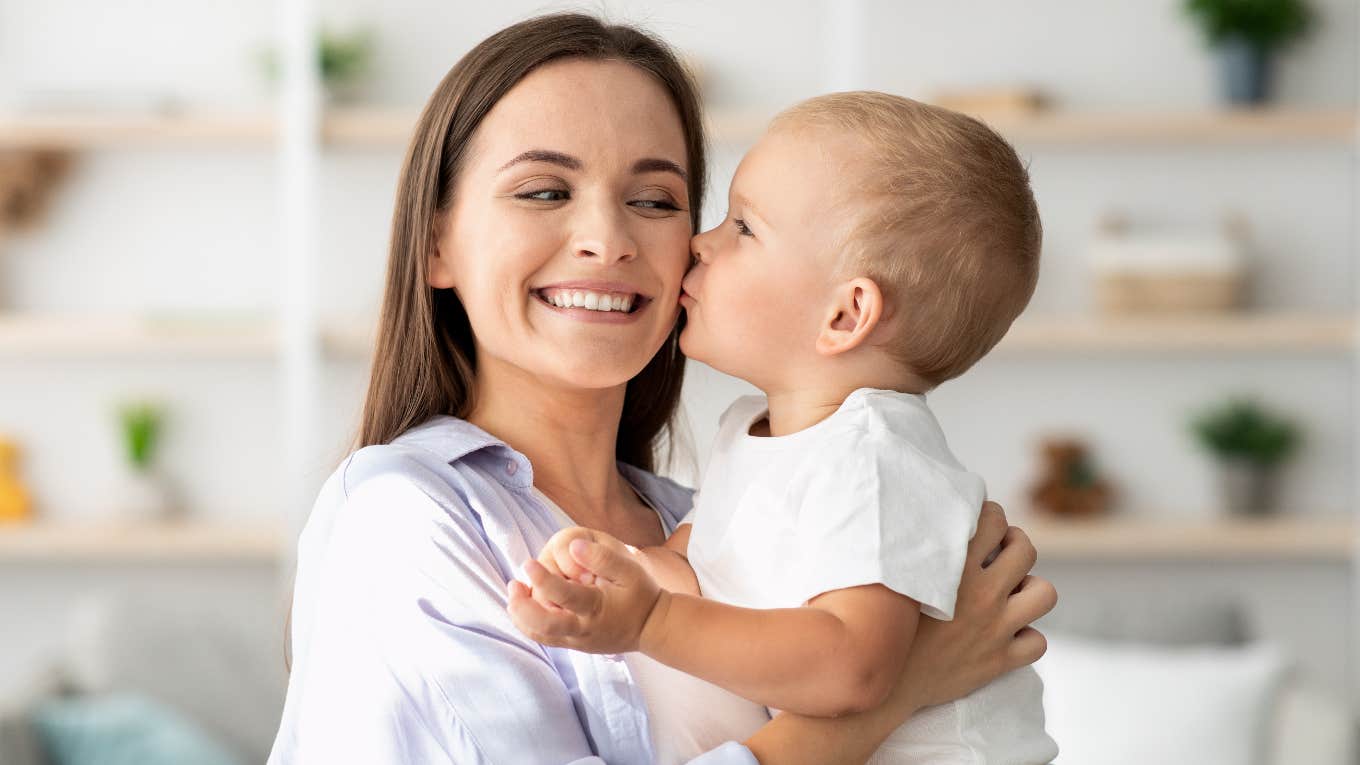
pixel 604 237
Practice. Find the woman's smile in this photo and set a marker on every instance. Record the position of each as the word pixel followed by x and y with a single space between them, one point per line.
pixel 593 301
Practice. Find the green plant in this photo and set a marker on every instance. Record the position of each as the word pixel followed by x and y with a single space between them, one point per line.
pixel 1268 24
pixel 1243 429
pixel 141 423
pixel 341 58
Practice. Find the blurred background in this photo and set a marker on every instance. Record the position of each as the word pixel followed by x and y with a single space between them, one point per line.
pixel 192 240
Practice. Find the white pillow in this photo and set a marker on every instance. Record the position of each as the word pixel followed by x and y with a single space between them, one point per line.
pixel 1109 703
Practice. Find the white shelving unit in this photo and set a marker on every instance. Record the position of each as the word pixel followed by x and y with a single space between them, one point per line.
pixel 298 340
pixel 300 131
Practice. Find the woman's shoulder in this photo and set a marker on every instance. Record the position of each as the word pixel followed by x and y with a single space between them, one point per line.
pixel 445 468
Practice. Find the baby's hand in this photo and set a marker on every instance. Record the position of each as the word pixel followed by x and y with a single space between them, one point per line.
pixel 556 555
pixel 607 616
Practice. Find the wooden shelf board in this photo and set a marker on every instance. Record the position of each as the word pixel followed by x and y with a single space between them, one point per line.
pixel 123 542
pixel 1263 126
pixel 385 126
pixel 1322 539
pixel 81 131
pixel 1244 332
pixel 122 336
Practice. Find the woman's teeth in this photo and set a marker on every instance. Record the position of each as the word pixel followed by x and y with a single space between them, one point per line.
pixel 591 301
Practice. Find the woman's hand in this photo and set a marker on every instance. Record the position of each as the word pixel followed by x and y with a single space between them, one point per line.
pixel 990 634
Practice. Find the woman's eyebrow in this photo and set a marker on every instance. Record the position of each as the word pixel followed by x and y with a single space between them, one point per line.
pixel 655 165
pixel 544 155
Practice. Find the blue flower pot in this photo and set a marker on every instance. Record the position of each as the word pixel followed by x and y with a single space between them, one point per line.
pixel 1244 68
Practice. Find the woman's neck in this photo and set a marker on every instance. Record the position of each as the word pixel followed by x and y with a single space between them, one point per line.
pixel 568 435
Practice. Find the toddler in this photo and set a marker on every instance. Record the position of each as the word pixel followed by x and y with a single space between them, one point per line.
pixel 874 248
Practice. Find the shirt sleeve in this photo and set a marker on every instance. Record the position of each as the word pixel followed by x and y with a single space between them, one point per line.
pixel 409 655
pixel 879 511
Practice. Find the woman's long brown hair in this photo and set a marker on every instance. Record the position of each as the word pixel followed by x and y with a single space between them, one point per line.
pixel 425 360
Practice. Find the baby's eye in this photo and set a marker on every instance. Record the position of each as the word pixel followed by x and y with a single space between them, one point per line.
pixel 742 228
pixel 546 195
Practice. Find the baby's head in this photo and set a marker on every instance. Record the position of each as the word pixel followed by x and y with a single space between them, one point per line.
pixel 867 234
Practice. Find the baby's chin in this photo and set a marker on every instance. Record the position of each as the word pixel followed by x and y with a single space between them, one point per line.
pixel 692 346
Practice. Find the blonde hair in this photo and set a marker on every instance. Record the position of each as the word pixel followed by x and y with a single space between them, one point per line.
pixel 940 216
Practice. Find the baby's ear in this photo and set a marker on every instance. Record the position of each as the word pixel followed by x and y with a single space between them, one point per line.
pixel 855 311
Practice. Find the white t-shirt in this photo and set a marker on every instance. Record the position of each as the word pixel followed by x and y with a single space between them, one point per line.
pixel 870 495
pixel 686 716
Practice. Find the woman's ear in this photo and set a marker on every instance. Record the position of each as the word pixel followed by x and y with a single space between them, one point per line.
pixel 852 317
pixel 439 266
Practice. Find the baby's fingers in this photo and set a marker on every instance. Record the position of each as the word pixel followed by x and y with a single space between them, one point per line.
pixel 538 623
pixel 551 590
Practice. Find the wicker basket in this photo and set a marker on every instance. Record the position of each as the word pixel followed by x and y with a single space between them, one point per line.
pixel 1187 292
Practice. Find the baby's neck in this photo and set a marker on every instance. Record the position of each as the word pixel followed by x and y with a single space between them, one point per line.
pixel 797 408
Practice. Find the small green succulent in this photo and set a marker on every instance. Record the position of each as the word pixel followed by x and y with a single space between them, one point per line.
pixel 1269 24
pixel 1243 429
pixel 142 423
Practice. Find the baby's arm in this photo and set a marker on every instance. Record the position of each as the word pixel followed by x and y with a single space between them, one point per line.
pixel 840 653
pixel 843 652
pixel 669 564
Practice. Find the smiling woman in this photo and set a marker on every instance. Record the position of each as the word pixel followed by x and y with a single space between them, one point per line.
pixel 526 372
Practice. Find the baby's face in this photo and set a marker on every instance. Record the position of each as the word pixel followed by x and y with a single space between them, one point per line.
pixel 764 275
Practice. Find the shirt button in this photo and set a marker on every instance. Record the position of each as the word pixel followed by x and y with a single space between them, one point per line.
pixel 511 467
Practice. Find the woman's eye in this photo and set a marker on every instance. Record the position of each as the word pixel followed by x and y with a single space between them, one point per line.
pixel 656 204
pixel 546 195
pixel 742 228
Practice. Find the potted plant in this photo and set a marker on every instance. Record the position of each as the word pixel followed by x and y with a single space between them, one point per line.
pixel 343 61
pixel 1246 34
pixel 143 494
pixel 1249 443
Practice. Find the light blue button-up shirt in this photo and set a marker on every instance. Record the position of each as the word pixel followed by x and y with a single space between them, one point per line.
pixel 402 648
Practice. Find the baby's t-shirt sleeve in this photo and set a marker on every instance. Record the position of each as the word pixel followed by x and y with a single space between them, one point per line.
pixel 877 510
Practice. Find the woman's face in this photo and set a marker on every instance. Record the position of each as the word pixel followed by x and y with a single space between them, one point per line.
pixel 569 229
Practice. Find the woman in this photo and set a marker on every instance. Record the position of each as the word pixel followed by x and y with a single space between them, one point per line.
pixel 559 155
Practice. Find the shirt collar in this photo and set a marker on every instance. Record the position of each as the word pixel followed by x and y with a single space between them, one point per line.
pixel 453 439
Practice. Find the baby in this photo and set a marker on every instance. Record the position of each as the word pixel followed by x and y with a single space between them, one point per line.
pixel 874 248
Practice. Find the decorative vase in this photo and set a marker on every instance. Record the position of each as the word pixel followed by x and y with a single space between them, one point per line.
pixel 1244 67
pixel 142 496
pixel 15 503
pixel 1248 488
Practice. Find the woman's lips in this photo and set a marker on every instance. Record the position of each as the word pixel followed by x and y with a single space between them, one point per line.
pixel 638 304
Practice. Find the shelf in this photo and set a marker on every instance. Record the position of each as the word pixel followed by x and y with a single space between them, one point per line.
pixel 34 337
pixel 391 127
pixel 1226 127
pixel 167 542
pixel 117 337
pixel 85 131
pixel 1116 539
pixel 1101 128
pixel 89 131
pixel 1231 333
